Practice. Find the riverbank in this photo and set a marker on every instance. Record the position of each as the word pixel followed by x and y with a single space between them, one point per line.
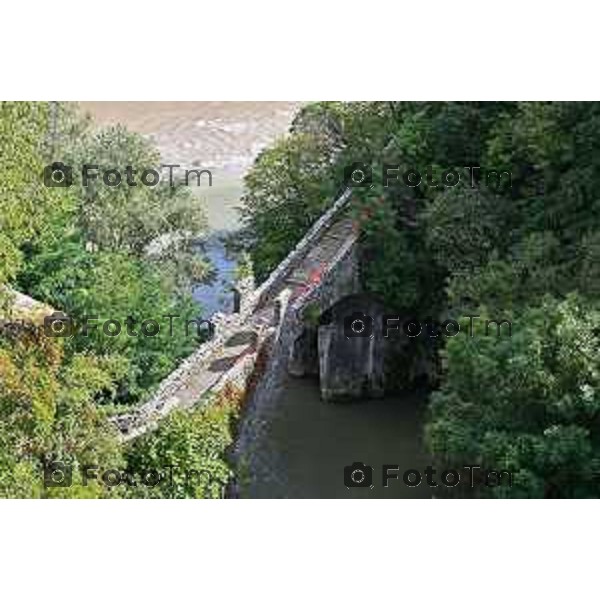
pixel 224 137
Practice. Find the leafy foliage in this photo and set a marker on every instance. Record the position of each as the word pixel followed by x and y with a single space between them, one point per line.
pixel 189 449
pixel 288 188
pixel 47 413
pixel 122 288
pixel 116 252
pixel 527 251
pixel 26 205
pixel 158 222
pixel 94 250
pixel 527 403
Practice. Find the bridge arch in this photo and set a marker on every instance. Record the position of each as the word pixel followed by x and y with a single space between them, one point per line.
pixel 343 346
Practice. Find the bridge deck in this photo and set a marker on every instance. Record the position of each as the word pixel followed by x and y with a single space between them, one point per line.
pixel 207 373
pixel 203 371
pixel 321 255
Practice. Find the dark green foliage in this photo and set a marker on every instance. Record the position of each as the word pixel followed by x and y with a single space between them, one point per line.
pixel 188 449
pixel 117 252
pixel 527 403
pixel 26 205
pixel 121 287
pixel 515 251
pixel 288 188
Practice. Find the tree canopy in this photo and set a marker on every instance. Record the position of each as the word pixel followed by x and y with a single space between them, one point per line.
pixel 525 251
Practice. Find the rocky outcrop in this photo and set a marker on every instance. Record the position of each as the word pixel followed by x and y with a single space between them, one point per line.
pixel 16 307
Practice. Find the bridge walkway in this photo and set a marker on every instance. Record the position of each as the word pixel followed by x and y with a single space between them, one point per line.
pixel 211 364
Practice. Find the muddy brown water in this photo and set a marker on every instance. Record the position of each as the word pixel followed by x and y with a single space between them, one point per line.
pixel 224 137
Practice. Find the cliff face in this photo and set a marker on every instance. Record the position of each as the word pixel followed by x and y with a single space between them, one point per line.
pixel 16 307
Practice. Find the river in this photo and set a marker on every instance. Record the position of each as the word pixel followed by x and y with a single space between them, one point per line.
pixel 309 442
pixel 225 138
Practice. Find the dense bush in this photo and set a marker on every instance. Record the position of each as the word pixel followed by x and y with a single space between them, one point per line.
pixel 189 450
pixel 528 403
pixel 111 253
pixel 48 413
pixel 27 206
pixel 121 287
pixel 286 190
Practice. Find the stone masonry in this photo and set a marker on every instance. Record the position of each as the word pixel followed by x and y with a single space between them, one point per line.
pixel 320 269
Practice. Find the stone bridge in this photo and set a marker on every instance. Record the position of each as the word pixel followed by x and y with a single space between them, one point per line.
pixel 278 321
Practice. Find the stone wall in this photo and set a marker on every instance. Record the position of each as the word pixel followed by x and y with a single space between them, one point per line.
pixel 166 398
pixel 255 459
pixel 278 276
pixel 269 310
pixel 16 307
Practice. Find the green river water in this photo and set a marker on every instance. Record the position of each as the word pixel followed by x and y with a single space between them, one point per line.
pixel 309 443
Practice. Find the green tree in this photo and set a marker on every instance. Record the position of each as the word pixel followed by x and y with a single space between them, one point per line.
pixel 189 448
pixel 527 403
pixel 159 223
pixel 26 204
pixel 117 252
pixel 123 289
pixel 288 188
pixel 47 414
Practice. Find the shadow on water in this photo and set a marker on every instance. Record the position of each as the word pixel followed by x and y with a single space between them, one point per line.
pixel 312 441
